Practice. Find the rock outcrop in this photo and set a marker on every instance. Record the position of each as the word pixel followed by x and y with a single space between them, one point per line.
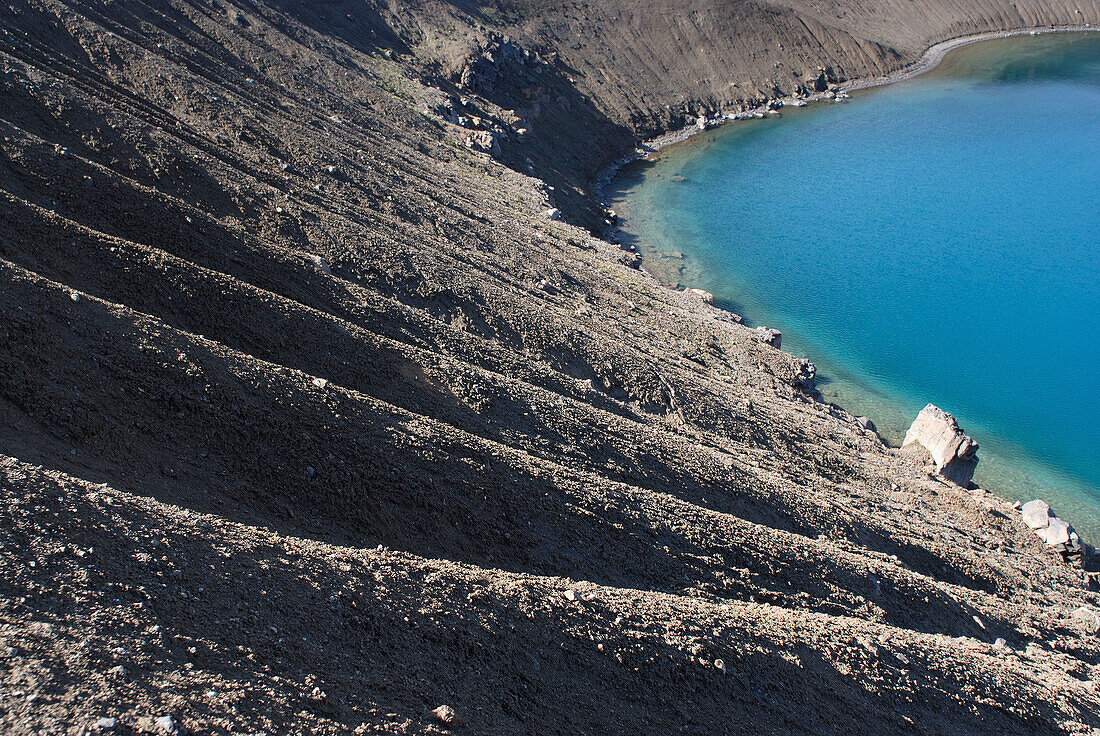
pixel 954 453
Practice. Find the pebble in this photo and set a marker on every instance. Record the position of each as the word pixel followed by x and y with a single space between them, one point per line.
pixel 320 382
pixel 570 595
pixel 106 724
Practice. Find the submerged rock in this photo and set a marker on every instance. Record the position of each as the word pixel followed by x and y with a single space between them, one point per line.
pixel 954 453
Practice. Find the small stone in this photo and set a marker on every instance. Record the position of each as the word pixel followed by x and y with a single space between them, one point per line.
pixel 74 296
pixel 553 213
pixel 1000 644
pixel 570 595
pixel 446 715
pixel 117 671
pixel 105 724
pixel 720 665
pixel 320 382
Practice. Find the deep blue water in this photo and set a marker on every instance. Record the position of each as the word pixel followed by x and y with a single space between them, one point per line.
pixel 933 240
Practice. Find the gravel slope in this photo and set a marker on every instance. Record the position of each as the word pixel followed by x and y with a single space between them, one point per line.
pixel 313 421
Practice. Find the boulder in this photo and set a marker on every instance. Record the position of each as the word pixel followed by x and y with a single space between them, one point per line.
pixel 866 423
pixel 706 296
pixel 1036 514
pixel 769 336
pixel 1056 532
pixel 446 715
pixel 954 453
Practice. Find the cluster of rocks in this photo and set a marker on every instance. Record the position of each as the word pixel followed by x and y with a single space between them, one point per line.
pixel 955 456
pixel 485 141
pixel 500 58
pixel 827 79
pixel 486 131
pixel 954 453
pixel 1056 532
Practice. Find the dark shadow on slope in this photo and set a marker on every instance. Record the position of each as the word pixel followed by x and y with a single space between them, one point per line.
pixel 355 23
pixel 568 139
pixel 392 634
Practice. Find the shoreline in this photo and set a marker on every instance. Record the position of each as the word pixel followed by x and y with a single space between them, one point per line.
pixel 932 57
pixel 928 61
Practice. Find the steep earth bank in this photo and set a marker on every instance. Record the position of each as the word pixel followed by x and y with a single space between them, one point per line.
pixel 313 420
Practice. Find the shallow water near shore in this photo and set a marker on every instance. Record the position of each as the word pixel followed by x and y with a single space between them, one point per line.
pixel 934 240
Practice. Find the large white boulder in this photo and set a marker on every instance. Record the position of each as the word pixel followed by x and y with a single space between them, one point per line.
pixel 954 453
pixel 1036 514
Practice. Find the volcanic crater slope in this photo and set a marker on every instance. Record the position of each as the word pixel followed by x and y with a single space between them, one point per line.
pixel 313 420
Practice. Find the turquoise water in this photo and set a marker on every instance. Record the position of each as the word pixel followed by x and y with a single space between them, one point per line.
pixel 936 240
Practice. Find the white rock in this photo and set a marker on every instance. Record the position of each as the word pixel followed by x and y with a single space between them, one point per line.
pixel 954 453
pixel 1056 532
pixel 320 382
pixel 769 336
pixel 320 263
pixel 1088 617
pixel 553 213
pixel 706 296
pixel 1036 514
pixel 166 724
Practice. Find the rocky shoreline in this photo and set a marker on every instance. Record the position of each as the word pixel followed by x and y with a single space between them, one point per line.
pixel 927 62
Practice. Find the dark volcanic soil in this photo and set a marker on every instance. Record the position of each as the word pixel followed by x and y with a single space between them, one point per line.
pixel 313 420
